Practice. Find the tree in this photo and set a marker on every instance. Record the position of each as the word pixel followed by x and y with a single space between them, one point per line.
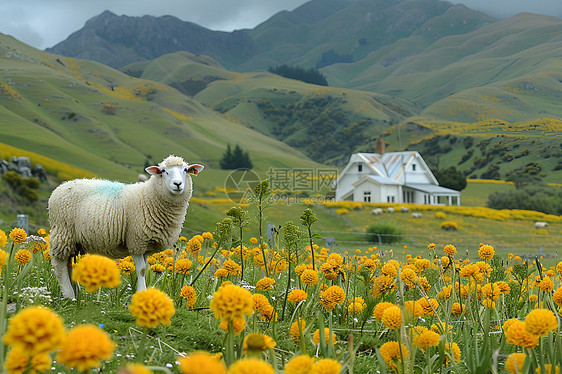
pixel 451 178
pixel 235 159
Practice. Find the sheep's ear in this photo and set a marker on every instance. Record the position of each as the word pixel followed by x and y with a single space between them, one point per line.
pixel 195 169
pixel 153 170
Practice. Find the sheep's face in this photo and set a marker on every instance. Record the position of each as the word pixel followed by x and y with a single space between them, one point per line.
pixel 176 177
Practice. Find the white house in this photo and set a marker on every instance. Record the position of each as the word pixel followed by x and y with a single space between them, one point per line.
pixel 393 177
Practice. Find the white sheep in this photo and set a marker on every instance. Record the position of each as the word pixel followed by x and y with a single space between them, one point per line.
pixel 376 211
pixel 416 215
pixel 541 225
pixel 117 220
pixel 403 209
pixel 390 209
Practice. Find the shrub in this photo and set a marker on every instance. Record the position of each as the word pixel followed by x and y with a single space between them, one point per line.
pixel 449 226
pixel 342 211
pixel 383 232
pixel 440 215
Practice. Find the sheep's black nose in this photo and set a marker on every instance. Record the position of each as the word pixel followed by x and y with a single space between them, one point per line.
pixel 178 184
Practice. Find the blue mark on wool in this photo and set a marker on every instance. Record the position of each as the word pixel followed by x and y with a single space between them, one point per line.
pixel 110 189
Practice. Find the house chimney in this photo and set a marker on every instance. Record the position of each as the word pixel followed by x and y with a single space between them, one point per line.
pixel 379 147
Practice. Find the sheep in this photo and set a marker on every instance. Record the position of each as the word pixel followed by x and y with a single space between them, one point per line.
pixel 117 220
pixel 376 211
pixel 541 225
pixel 403 209
pixel 416 215
pixel 390 209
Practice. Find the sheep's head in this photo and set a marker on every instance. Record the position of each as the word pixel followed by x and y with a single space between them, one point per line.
pixel 175 173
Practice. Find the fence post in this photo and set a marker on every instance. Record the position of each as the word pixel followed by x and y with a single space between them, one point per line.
pixel 23 222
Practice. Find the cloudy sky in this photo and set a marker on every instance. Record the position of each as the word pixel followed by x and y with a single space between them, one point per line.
pixel 44 23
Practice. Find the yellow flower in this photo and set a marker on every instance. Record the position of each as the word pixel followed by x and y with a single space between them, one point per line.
pixel 540 321
pixel 238 325
pixel 194 245
pixel 190 296
pixel 450 249
pixel 18 235
pixel 182 239
pixel 413 309
pixel 4 259
pixel 42 232
pixel 556 297
pixel 457 309
pixel 380 308
pixel 427 339
pixel 85 346
pixel 220 273
pixel 546 285
pixel 517 334
pixel 201 362
pixel 382 285
pixel 232 267
pixel 127 267
pixel 23 256
pixel 326 366
pixel 36 330
pixel 431 246
pixel 486 252
pixel 152 307
pixel 514 363
pixel 453 350
pixel 3 239
pixel 135 369
pixel 294 331
pixel 392 317
pixel 409 276
pixel 253 240
pixel 17 361
pixel 299 365
pixel 316 336
pixel 157 268
pixel 207 235
pixel 548 369
pixel 258 343
pixel 356 306
pixel 265 283
pixel 393 351
pixel 183 266
pixel 390 270
pixel 331 296
pixel 94 271
pixel 250 366
pixel 428 306
pixel 232 302
pixel 309 277
pixel 296 296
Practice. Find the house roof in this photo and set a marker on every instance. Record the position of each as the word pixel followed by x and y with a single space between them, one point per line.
pixel 389 165
pixel 432 189
pixel 376 179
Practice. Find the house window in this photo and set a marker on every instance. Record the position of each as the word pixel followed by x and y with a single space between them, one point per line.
pixel 360 168
pixel 390 199
pixel 367 196
pixel 414 167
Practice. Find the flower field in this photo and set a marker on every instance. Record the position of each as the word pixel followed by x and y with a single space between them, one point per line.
pixel 221 302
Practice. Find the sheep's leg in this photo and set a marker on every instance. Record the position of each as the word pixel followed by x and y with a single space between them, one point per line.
pixel 140 265
pixel 61 271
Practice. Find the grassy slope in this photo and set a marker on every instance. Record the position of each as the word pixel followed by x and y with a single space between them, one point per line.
pixel 302 36
pixel 57 105
pixel 518 53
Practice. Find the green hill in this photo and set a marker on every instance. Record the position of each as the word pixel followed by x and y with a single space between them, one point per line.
pixel 327 124
pixel 98 119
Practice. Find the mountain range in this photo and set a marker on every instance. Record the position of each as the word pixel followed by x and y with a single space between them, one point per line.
pixel 461 87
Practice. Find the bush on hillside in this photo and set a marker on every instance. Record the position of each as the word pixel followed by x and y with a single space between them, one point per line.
pixel 26 187
pixel 536 196
pixel 384 232
pixel 235 159
pixel 311 75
